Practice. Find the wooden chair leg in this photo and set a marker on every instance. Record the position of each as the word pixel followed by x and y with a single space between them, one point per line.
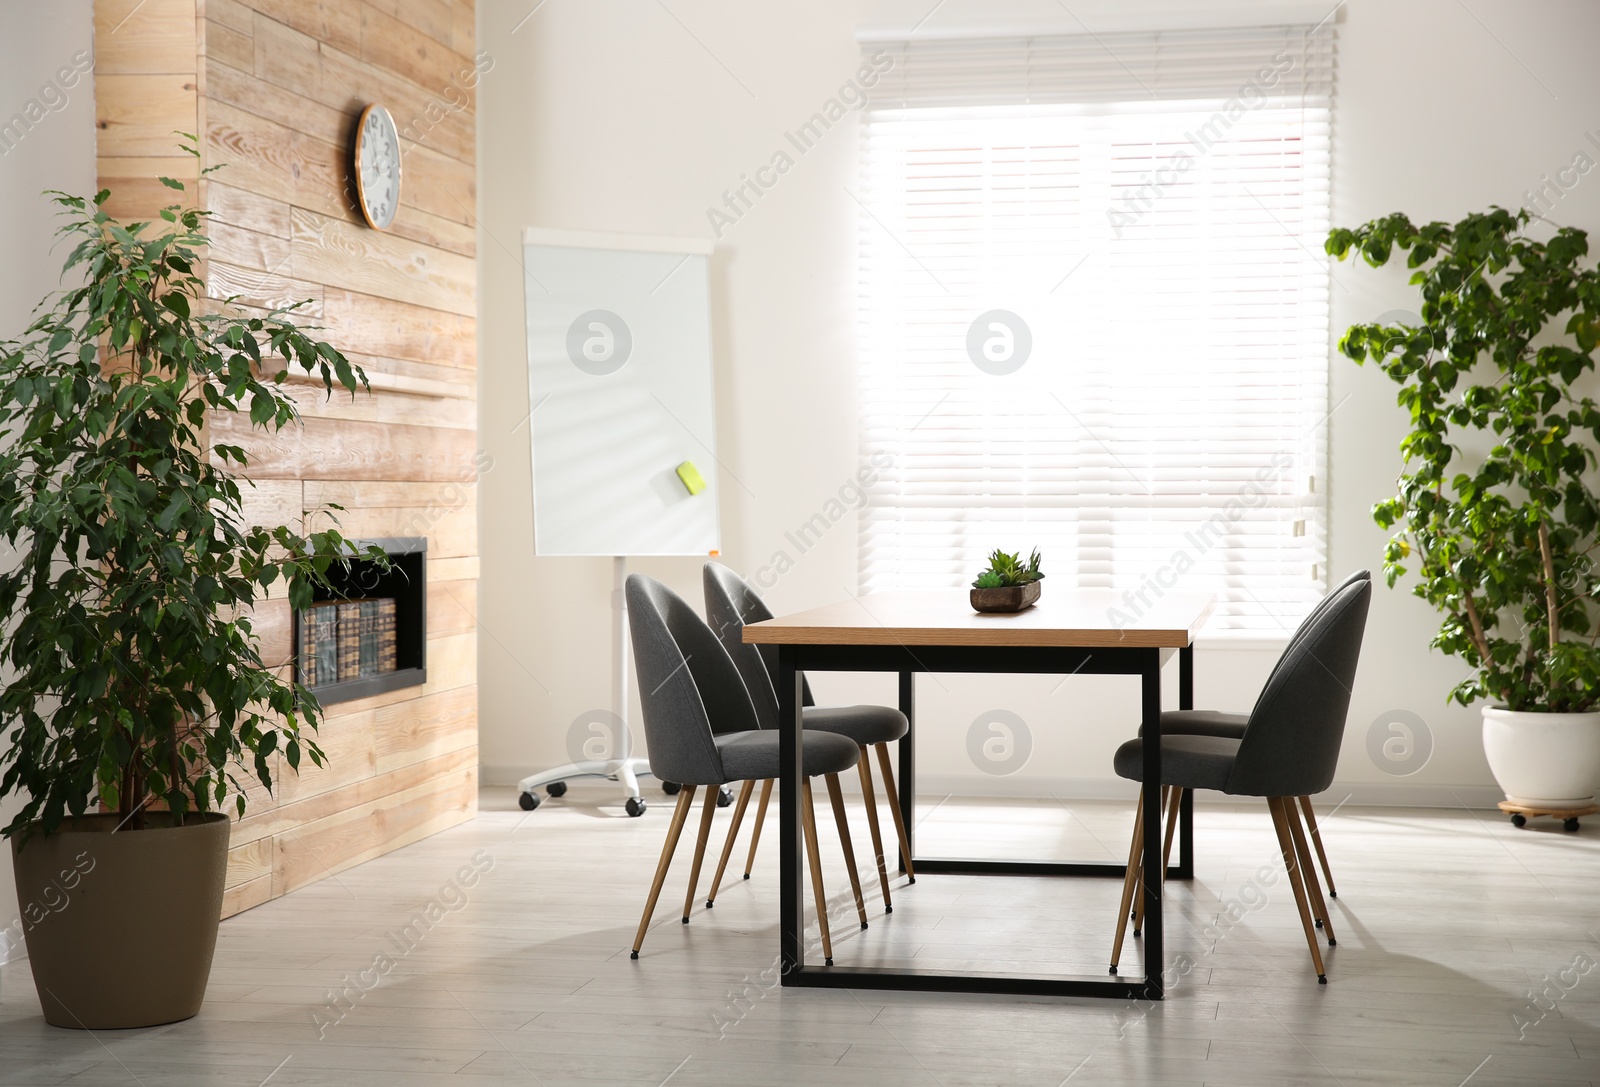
pixel 707 810
pixel 894 809
pixel 755 833
pixel 1316 840
pixel 836 798
pixel 727 847
pixel 1171 810
pixel 1172 824
pixel 809 818
pixel 1308 874
pixel 864 768
pixel 1139 889
pixel 674 829
pixel 1280 823
pixel 1128 881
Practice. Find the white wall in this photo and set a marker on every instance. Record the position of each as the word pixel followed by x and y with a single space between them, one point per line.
pixel 610 116
pixel 36 40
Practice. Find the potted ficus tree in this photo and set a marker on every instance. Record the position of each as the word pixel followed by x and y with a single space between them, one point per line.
pixel 1496 509
pixel 135 700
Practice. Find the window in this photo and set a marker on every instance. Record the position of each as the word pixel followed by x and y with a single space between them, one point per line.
pixel 1093 315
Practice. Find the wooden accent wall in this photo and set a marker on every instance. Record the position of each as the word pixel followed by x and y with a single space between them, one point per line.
pixel 273 88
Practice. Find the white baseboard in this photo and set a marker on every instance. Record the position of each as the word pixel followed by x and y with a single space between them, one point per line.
pixel 1365 794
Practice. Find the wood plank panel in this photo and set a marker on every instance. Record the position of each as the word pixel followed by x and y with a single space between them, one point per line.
pixel 249 861
pixel 350 744
pixel 435 230
pixel 248 210
pixel 342 255
pixel 452 607
pixel 272 621
pixel 464 30
pixel 420 113
pixel 263 290
pixel 257 155
pixel 238 86
pixel 383 326
pixel 145 37
pixel 462 569
pixel 329 846
pixel 138 114
pixel 439 184
pixel 270 822
pixel 397 407
pixel 271 502
pixel 452 531
pixel 434 18
pixel 405 376
pixel 231 14
pixel 236 900
pixel 425 728
pixel 249 249
pixel 425 58
pixel 322 20
pixel 357 494
pixel 226 45
pixel 336 449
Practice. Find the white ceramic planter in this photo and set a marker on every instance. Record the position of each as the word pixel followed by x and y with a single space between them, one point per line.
pixel 1543 760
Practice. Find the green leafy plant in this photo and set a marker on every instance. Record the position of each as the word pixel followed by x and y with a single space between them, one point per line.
pixel 1007 570
pixel 136 676
pixel 1495 506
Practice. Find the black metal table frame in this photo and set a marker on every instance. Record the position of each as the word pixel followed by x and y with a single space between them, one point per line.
pixel 794 660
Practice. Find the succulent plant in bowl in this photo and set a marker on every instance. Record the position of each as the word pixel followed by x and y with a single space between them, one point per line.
pixel 1006 584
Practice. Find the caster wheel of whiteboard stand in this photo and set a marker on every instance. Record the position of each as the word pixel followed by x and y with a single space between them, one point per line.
pixel 671 788
pixel 528 801
pixel 724 797
pixel 636 806
pixel 556 788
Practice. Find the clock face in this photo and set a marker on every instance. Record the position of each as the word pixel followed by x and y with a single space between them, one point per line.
pixel 378 166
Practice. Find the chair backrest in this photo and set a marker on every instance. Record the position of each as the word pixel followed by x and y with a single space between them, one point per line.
pixel 1291 744
pixel 688 688
pixel 730 604
pixel 1322 606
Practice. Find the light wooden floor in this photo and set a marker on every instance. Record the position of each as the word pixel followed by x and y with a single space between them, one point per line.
pixel 1450 925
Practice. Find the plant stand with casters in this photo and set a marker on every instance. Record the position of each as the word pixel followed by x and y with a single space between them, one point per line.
pixel 1521 813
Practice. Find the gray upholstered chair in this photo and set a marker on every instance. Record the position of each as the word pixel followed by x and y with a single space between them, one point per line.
pixel 1231 726
pixel 730 604
pixel 1290 748
pixel 702 731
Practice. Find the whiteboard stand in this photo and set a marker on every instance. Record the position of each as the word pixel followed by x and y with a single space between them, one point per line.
pixel 624 768
pixel 619 342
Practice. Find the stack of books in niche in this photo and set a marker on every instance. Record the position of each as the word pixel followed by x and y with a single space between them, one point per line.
pixel 341 640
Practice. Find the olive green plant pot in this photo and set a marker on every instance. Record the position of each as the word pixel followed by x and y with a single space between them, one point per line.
pixel 121 924
pixel 1006 598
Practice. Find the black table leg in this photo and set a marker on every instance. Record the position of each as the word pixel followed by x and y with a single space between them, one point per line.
pixel 908 762
pixel 1185 866
pixel 792 916
pixel 1154 869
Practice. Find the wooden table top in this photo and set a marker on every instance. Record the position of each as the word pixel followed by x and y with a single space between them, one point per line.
pixel 1062 618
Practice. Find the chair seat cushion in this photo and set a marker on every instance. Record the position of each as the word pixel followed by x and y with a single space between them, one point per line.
pixel 1191 762
pixel 863 724
pixel 753 756
pixel 1202 723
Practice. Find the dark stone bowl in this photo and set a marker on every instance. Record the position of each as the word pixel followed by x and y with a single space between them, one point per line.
pixel 1008 598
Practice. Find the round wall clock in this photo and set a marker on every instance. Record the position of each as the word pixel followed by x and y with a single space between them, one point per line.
pixel 377 167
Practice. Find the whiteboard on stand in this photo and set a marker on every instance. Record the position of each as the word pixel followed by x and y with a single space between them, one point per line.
pixel 620 394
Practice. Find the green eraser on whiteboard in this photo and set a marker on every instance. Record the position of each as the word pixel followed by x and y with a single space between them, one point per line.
pixel 691 477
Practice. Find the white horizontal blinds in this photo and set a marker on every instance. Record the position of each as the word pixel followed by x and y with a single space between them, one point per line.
pixel 1153 225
